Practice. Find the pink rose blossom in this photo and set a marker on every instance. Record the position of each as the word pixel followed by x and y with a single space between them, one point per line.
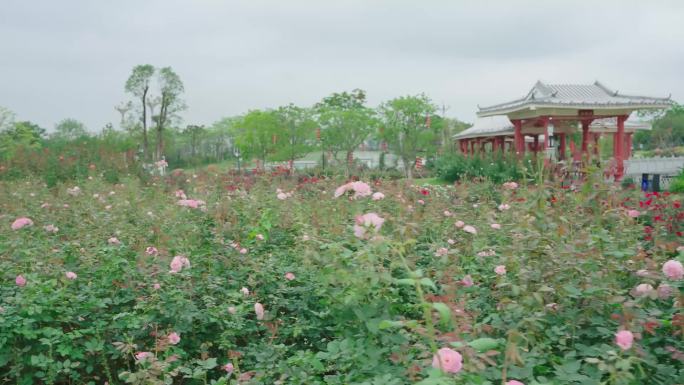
pixel 467 281
pixel 470 229
pixel 156 286
pixel 192 203
pixel 420 201
pixel 260 237
pixel 71 275
pixel 673 269
pixel 378 196
pixel 642 273
pixel 365 221
pixel 113 241
pixel 504 206
pixel 624 339
pixel 500 270
pixel 496 226
pixel 178 263
pixel 360 189
pixel 447 213
pixel 20 281
pixel 180 194
pixel 451 241
pixel 282 196
pixel 151 250
pixel 289 276
pixel 21 223
pixel 45 205
pixel 245 291
pixel 259 311
pixel 243 251
pixel 510 185
pixel 447 360
pixel 174 338
pixel 633 213
pixel 228 368
pixel 665 291
pixel 442 251
pixel 142 355
pixel 232 309
pixel 643 290
pixel 514 382
pixel 51 228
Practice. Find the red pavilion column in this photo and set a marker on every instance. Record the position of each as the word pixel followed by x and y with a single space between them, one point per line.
pixel 620 141
pixel 597 151
pixel 561 146
pixel 519 139
pixel 585 137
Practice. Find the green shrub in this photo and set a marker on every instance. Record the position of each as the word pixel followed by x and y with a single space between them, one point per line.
pixel 495 167
pixel 677 184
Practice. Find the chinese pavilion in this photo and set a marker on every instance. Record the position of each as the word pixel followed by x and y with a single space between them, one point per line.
pixel 556 110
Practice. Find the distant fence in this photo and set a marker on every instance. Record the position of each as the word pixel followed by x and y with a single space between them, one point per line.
pixel 661 166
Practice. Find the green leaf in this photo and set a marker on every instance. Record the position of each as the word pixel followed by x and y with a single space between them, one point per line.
pixel 387 324
pixel 444 313
pixel 405 282
pixel 428 282
pixel 484 344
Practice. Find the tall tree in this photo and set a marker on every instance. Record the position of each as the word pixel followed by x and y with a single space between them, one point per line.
pixel 14 135
pixel 295 133
pixel 6 118
pixel 138 84
pixel 194 133
pixel 255 134
pixel 170 89
pixel 221 135
pixel 405 128
pixel 345 121
pixel 70 129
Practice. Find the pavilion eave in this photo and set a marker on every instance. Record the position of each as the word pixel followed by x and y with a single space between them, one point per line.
pixel 570 111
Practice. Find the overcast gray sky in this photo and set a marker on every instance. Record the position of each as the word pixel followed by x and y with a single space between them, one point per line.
pixel 62 59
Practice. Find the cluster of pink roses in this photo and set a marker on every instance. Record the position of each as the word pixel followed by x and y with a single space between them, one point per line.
pixel 367 221
pixel 360 190
pixel 178 263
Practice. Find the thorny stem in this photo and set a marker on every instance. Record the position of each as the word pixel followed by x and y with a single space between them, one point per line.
pixel 427 313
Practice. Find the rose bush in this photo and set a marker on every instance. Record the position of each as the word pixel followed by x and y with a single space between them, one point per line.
pixel 249 288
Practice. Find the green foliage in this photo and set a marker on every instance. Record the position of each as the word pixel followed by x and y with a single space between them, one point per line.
pixel 677 184
pixel 69 130
pixel 404 128
pixel 667 131
pixel 368 311
pixel 294 133
pixel 345 121
pixel 19 136
pixel 255 133
pixel 494 167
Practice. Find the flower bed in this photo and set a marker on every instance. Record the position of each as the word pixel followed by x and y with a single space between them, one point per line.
pixel 218 279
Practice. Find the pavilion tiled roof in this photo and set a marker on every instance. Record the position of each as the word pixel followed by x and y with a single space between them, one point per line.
pixel 500 125
pixel 575 96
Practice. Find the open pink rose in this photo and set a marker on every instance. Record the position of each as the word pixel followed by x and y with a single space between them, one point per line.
pixel 624 339
pixel 447 360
